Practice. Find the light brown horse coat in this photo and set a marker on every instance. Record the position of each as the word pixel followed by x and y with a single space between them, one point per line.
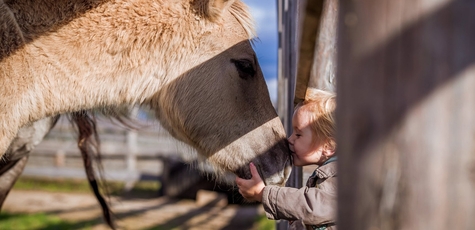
pixel 191 61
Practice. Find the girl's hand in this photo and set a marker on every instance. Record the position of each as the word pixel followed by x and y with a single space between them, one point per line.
pixel 251 189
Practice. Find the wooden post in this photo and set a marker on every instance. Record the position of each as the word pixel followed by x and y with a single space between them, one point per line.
pixel 322 74
pixel 317 51
pixel 406 114
pixel 132 151
pixel 288 58
pixel 60 158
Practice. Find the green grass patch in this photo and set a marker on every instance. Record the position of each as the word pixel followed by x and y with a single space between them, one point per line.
pixel 37 221
pixel 52 185
pixel 142 188
pixel 262 223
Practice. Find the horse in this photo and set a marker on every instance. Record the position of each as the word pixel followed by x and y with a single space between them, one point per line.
pixel 190 61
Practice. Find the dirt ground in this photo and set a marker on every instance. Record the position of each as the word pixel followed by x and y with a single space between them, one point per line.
pixel 209 211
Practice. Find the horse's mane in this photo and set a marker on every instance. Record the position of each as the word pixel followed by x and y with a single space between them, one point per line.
pixel 242 13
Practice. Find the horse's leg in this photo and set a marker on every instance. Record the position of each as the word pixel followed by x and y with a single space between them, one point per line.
pixel 14 161
pixel 9 173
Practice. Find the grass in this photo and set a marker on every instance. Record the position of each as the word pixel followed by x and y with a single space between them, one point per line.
pixel 49 222
pixel 35 221
pixel 142 188
pixel 58 185
pixel 262 223
pixel 44 221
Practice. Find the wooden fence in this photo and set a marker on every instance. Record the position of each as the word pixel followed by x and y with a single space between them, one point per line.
pixel 148 153
pixel 405 82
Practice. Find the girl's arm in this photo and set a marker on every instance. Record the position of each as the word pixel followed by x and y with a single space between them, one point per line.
pixel 312 205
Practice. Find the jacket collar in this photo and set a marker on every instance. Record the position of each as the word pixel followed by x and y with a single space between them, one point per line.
pixel 327 170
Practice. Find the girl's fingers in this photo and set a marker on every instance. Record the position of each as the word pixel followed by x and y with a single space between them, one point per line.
pixel 253 170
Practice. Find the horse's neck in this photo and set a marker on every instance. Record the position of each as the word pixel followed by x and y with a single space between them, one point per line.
pixel 75 60
pixel 40 86
pixel 38 17
pixel 80 65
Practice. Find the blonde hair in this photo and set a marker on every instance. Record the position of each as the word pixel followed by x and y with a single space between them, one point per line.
pixel 320 106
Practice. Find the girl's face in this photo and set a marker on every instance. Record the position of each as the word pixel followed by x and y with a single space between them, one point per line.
pixel 306 149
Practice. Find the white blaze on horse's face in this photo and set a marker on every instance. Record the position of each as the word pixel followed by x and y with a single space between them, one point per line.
pixel 221 105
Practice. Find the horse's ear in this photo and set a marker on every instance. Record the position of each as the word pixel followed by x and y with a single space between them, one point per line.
pixel 211 9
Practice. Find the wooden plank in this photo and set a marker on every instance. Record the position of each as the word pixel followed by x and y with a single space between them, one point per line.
pixel 288 14
pixel 322 74
pixel 317 50
pixel 309 29
pixel 406 114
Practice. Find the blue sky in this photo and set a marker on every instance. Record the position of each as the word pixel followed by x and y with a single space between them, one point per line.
pixel 265 16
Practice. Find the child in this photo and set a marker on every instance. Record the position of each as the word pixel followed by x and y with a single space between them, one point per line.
pixel 312 142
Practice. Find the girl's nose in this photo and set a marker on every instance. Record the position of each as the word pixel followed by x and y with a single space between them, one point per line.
pixel 291 139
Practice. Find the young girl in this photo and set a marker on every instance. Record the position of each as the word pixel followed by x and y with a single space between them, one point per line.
pixel 312 143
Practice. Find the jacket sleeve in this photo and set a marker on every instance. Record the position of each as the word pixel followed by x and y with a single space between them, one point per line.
pixel 311 205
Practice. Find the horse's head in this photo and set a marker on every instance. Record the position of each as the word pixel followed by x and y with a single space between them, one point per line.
pixel 220 103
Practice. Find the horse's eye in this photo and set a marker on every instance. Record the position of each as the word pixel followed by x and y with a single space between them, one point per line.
pixel 244 67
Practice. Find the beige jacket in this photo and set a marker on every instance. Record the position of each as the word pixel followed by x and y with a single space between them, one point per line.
pixel 313 204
